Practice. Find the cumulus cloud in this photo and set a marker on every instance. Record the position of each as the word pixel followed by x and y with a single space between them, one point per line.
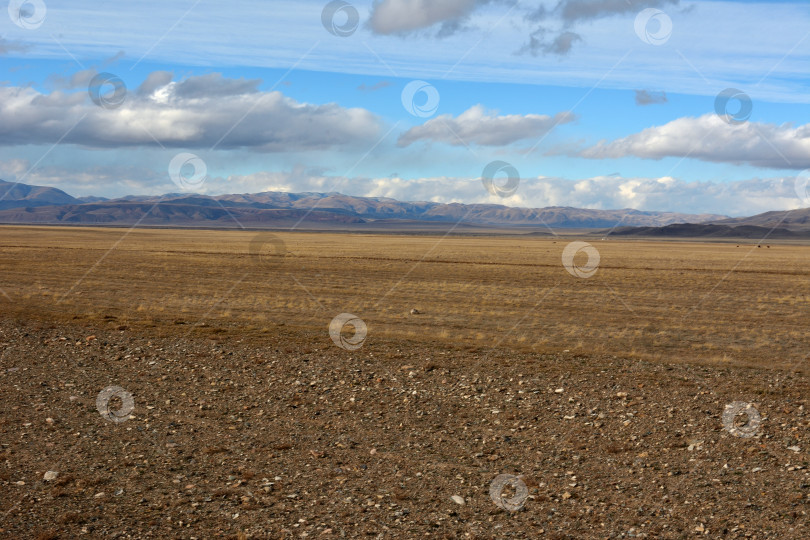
pixel 479 126
pixel 710 138
pixel 570 13
pixel 197 112
pixel 405 16
pixel 648 97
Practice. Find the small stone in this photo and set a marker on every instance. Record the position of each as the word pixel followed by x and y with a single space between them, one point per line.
pixel 49 420
pixel 99 495
pixel 621 394
pixel 50 475
pixel 458 499
pixel 559 391
pixel 794 448
pixel 415 311
pixel 19 483
pixel 566 495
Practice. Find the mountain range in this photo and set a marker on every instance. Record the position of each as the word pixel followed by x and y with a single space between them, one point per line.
pixel 26 204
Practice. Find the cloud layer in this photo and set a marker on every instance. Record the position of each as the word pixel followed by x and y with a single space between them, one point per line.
pixel 481 127
pixel 405 16
pixel 198 112
pixel 710 138
pixel 556 31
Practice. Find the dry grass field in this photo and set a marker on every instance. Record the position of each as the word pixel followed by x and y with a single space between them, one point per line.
pixel 673 301
pixel 238 417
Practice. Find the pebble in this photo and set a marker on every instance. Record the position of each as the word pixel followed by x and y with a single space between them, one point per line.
pixel 458 499
pixel 50 475
pixel 559 391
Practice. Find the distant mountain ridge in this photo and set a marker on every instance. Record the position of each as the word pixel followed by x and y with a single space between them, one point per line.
pixel 281 208
pixel 14 195
pixel 26 204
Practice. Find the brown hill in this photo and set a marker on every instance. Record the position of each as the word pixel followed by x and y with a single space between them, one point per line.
pixel 15 195
pixel 789 219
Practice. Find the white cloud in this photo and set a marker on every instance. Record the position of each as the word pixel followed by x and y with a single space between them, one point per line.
pixel 196 112
pixel 479 126
pixel 710 138
pixel 403 16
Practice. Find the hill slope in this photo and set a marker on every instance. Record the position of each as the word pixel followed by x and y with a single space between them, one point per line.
pixel 13 195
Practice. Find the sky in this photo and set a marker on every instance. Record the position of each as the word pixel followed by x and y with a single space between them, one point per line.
pixel 669 105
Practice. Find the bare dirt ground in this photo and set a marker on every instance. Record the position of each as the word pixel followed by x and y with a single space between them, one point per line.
pixel 249 421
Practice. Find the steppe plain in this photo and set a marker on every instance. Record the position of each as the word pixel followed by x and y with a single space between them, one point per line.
pixel 483 355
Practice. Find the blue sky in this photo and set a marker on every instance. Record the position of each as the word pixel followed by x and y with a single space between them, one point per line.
pixel 597 103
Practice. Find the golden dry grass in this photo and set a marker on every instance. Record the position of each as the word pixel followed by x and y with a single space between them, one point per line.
pixel 674 301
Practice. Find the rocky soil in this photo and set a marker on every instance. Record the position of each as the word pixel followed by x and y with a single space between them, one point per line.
pixel 290 436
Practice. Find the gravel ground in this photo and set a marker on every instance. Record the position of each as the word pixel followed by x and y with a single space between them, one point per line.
pixel 289 436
